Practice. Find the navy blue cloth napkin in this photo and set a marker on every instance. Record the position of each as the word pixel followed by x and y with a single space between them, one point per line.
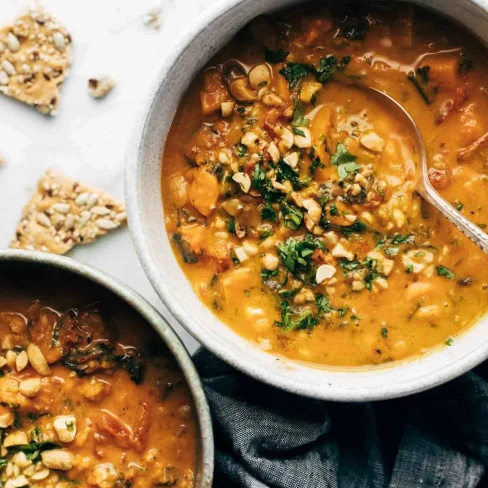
pixel 269 438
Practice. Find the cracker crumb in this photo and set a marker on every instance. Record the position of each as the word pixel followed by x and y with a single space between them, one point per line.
pixel 35 57
pixel 101 87
pixel 153 18
pixel 63 213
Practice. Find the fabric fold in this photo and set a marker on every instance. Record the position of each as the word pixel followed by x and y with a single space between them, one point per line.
pixel 266 437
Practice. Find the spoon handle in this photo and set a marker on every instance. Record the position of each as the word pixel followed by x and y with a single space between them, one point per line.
pixel 470 230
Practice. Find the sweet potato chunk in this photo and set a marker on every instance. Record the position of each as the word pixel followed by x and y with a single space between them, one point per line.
pixel 444 70
pixel 204 191
pixel 214 92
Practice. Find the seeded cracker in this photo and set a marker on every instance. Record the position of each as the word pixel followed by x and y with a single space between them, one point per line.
pixel 63 213
pixel 35 57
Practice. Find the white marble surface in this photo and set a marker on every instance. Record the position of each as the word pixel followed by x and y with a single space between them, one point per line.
pixel 87 138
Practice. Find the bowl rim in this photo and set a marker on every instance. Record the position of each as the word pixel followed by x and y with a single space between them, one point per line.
pixel 134 164
pixel 156 321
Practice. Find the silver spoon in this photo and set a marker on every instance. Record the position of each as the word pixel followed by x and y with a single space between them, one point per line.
pixel 427 191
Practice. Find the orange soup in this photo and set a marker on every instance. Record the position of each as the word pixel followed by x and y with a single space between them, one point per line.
pixel 89 396
pixel 289 188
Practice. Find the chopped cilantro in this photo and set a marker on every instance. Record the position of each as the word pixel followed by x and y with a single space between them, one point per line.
pixel 291 320
pixel 384 332
pixel 345 161
pixel 33 450
pixel 349 265
pixel 299 119
pixel 268 232
pixel 266 274
pixel 274 56
pixel 240 150
pixel 315 164
pixel 459 207
pixel 443 271
pixel 292 216
pixel 298 132
pixel 355 228
pixel 294 72
pixel 70 426
pixel 296 256
pixel 409 268
pixel 449 341
pixel 231 226
pixel 284 172
pixel 334 211
pixel 403 239
pixel 258 177
pixel 328 66
pixel 268 213
pixel 289 293
pixel 323 304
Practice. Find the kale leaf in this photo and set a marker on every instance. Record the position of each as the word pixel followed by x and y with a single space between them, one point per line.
pixel 274 56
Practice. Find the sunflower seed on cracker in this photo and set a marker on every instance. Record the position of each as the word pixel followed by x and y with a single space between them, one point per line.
pixel 100 87
pixel 60 215
pixel 35 57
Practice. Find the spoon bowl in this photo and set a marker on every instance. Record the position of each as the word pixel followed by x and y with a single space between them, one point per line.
pixel 423 185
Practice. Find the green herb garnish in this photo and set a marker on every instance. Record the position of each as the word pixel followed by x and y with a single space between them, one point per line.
pixel 292 216
pixel 345 161
pixel 294 72
pixel 443 271
pixel 299 119
pixel 274 56
pixel 268 213
pixel 33 450
pixel 328 66
pixel 323 304
pixel 231 226
pixel 291 320
pixel 334 210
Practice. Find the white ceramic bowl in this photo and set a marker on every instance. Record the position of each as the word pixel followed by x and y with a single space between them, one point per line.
pixel 146 220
